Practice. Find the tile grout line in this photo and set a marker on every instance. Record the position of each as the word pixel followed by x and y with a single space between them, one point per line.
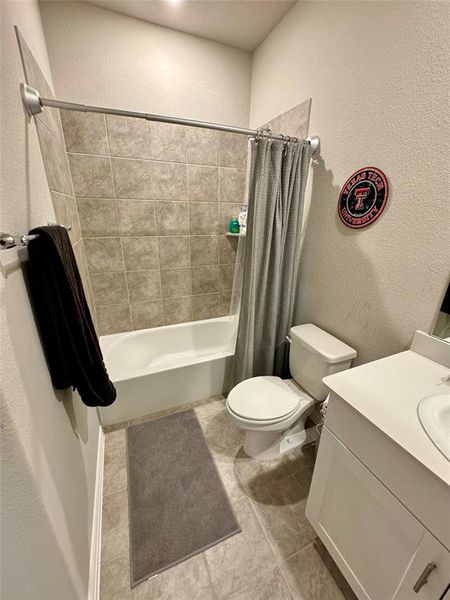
pixel 149 136
pixel 260 574
pixel 151 159
pixel 210 579
pixel 188 202
pixel 117 215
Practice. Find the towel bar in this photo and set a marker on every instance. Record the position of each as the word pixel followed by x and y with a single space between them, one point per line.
pixel 8 240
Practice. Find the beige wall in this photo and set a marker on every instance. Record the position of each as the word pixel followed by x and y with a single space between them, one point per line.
pixel 378 76
pixel 49 442
pixel 104 58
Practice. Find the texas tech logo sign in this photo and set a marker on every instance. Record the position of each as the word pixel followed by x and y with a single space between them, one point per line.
pixel 363 197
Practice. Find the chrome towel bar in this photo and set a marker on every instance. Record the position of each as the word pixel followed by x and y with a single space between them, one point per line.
pixel 9 240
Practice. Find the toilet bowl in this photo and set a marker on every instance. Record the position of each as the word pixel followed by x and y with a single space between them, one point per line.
pixel 273 411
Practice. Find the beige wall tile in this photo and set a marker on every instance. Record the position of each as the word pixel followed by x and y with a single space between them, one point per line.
pixel 90 299
pixel 226 213
pixel 172 218
pixel 226 275
pixel 203 218
pixel 227 249
pixel 233 150
pixel 176 282
pixel 140 253
pixel 84 132
pixel 50 117
pixel 168 142
pixel 203 249
pixel 202 146
pixel 109 288
pixel 131 178
pixel 294 122
pixel 205 306
pixel 113 318
pixel 203 183
pixel 98 217
pixel 66 214
pixel 144 285
pixel 73 219
pixel 128 137
pixel 174 251
pixel 104 254
pixel 80 257
pixel 55 161
pixel 169 181
pixel 91 176
pixel 136 217
pixel 147 314
pixel 177 310
pixel 224 303
pixel 60 207
pixel 159 192
pixel 205 279
pixel 232 185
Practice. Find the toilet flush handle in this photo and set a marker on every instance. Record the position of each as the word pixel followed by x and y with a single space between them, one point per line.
pixel 288 339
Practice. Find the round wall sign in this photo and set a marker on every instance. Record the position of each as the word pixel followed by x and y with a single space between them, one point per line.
pixel 363 197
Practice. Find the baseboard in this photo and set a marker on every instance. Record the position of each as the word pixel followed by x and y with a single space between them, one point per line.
pixel 96 537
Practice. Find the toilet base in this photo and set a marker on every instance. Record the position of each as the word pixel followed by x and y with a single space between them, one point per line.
pixel 269 446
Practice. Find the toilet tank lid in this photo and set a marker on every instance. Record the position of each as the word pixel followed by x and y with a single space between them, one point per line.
pixel 319 341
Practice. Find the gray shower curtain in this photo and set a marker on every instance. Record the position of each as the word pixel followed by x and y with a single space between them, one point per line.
pixel 277 180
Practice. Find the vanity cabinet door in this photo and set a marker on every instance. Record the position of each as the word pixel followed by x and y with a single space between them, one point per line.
pixel 370 534
pixel 430 580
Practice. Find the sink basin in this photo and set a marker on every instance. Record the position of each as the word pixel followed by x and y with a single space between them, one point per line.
pixel 434 414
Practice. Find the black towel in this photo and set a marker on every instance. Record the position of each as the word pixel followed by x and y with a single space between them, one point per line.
pixel 70 342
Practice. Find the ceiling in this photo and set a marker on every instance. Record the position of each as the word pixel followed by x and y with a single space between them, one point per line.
pixel 240 23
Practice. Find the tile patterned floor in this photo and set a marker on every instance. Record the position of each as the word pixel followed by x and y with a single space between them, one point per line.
pixel 275 557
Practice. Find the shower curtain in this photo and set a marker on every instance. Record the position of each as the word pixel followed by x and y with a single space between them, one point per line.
pixel 267 262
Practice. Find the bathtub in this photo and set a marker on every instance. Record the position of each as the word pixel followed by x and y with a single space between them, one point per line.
pixel 165 367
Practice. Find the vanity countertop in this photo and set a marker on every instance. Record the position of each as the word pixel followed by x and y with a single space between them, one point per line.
pixel 387 392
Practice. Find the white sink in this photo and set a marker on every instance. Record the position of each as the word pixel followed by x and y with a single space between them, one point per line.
pixel 434 414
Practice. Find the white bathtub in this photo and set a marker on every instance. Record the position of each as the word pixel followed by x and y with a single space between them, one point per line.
pixel 161 368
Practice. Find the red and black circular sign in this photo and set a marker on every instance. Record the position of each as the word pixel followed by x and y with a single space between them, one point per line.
pixel 363 197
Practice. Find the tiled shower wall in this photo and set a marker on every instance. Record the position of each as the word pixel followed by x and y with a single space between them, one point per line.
pixel 154 201
pixel 51 140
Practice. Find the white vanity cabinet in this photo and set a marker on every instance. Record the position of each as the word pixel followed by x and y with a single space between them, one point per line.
pixel 380 547
pixel 380 493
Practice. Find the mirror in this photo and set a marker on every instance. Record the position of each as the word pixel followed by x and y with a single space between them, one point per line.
pixel 441 327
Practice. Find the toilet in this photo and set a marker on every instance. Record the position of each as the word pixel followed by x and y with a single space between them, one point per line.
pixel 273 411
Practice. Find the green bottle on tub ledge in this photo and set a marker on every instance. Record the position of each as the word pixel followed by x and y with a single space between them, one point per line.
pixel 234 226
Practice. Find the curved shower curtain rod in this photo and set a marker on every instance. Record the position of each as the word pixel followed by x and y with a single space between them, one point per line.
pixel 34 105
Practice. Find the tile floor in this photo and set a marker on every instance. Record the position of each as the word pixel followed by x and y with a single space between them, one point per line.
pixel 275 557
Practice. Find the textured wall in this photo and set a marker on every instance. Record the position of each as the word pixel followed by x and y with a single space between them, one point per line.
pixel 48 441
pixel 378 75
pixel 154 201
pixel 101 57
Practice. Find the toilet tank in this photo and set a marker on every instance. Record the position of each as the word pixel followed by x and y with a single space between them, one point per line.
pixel 314 355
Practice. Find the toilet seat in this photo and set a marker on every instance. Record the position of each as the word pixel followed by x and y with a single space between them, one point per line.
pixel 263 400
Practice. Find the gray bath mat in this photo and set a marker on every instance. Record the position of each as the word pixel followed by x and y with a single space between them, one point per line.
pixel 177 503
